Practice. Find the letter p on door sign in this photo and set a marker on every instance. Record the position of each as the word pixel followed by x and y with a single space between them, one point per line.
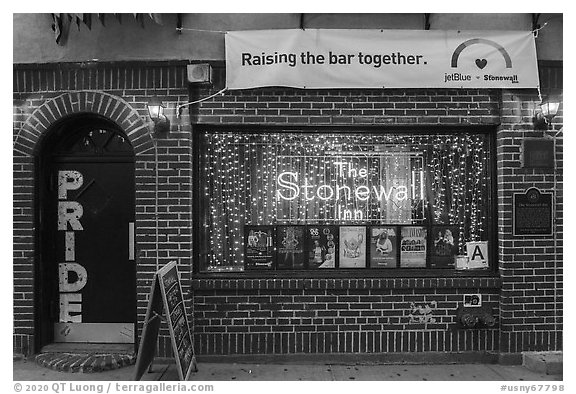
pixel 68 180
pixel 477 254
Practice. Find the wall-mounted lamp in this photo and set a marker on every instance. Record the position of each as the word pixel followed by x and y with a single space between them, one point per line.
pixel 156 112
pixel 547 111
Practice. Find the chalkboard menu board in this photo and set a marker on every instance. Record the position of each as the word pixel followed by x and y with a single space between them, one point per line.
pixel 533 213
pixel 166 303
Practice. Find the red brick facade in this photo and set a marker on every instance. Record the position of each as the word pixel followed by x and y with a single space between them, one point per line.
pixel 280 315
pixel 337 315
pixel 45 95
pixel 531 297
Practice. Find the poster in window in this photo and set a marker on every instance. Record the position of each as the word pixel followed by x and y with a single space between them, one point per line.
pixel 290 243
pixel 444 246
pixel 321 246
pixel 258 247
pixel 352 247
pixel 383 247
pixel 413 247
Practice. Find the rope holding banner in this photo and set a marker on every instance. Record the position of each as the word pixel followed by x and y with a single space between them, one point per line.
pixel 535 31
pixel 179 107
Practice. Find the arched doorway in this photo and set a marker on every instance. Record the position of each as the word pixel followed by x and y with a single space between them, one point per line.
pixel 86 274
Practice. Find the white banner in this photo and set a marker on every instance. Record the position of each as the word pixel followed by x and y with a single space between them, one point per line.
pixel 319 58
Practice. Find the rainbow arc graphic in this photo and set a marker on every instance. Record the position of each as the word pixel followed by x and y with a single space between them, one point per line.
pixel 474 41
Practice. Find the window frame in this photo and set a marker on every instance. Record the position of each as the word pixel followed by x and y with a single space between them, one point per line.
pixel 367 272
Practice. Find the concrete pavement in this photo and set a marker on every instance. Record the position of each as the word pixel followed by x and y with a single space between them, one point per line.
pixel 28 370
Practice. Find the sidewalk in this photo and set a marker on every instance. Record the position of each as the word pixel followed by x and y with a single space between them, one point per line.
pixel 26 370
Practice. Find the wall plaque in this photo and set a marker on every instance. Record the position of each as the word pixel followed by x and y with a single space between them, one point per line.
pixel 533 213
pixel 537 153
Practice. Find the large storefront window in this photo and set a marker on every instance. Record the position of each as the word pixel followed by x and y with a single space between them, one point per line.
pixel 305 201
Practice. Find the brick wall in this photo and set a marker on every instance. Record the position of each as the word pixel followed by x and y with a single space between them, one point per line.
pixel 23 253
pixel 230 317
pixel 45 93
pixel 531 267
pixel 243 315
pixel 277 106
pixel 239 316
pixel 288 316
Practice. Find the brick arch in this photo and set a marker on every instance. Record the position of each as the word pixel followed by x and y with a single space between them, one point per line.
pixel 112 107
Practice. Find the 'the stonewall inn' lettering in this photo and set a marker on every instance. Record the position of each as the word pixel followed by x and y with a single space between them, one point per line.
pixel 69 214
pixel 290 188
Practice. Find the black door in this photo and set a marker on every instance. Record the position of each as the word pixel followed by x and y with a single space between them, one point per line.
pixel 90 224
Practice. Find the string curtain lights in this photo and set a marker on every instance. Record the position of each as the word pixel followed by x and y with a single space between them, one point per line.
pixel 409 179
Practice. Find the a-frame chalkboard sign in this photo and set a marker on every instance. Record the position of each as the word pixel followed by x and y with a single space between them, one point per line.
pixel 167 303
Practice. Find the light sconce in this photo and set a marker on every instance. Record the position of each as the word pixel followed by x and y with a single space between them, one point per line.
pixel 156 112
pixel 547 111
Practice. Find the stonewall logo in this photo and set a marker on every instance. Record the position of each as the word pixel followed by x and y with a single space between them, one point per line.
pixel 481 63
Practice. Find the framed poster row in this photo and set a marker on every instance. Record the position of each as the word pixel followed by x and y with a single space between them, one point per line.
pixel 295 247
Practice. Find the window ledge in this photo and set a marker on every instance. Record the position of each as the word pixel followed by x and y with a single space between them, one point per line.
pixel 473 281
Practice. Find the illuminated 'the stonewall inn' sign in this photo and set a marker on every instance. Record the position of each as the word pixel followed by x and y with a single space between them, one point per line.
pixel 343 187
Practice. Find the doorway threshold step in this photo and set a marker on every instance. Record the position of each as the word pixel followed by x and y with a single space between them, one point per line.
pixel 95 348
pixel 86 357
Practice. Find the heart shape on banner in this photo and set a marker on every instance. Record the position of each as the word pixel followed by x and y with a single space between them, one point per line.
pixel 481 63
